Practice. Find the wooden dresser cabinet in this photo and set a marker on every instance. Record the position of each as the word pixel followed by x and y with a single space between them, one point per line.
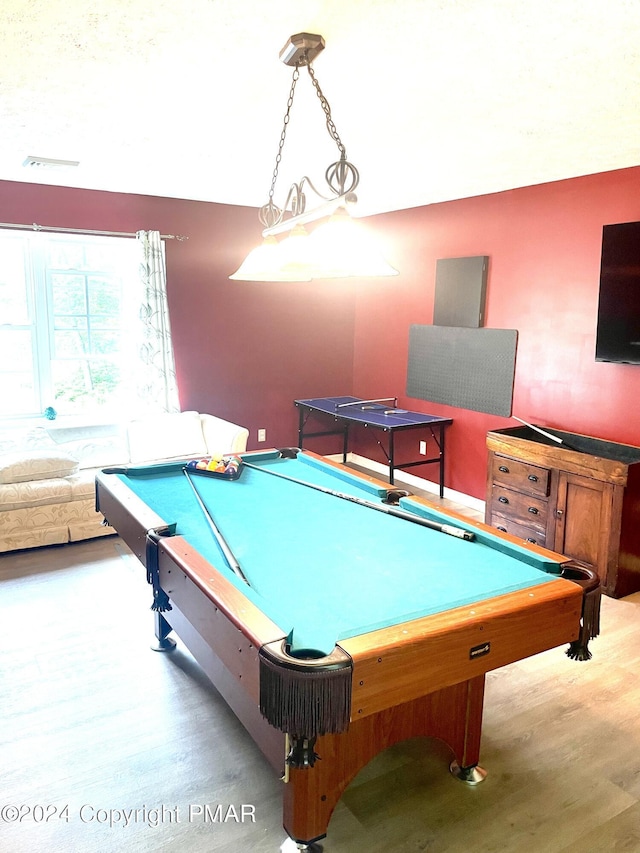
pixel 580 498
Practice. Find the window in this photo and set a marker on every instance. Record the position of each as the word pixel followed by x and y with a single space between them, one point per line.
pixel 66 311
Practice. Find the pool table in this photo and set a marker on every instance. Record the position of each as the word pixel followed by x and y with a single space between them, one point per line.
pixel 336 614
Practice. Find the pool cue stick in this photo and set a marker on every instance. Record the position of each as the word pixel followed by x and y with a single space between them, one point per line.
pixel 449 529
pixel 222 542
pixel 537 429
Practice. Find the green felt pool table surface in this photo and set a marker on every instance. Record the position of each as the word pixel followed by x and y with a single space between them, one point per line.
pixel 324 568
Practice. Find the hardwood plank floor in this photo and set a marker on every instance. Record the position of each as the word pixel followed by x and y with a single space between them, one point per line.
pixel 93 719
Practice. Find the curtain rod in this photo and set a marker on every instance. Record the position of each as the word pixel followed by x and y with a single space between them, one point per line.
pixel 35 227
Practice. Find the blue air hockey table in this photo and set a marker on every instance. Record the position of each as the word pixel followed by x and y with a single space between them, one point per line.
pixel 381 414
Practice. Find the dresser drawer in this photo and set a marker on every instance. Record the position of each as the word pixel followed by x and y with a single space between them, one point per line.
pixel 522 509
pixel 528 534
pixel 514 474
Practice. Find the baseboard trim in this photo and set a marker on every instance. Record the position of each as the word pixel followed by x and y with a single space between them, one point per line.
pixel 412 480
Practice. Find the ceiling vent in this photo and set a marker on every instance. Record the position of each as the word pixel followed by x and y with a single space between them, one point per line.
pixel 49 163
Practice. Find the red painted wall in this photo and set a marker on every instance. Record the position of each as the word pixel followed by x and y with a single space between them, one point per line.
pixel 243 351
pixel 544 248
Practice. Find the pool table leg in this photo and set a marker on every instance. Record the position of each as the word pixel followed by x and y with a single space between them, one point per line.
pixel 467 769
pixel 291 846
pixel 453 715
pixel 164 643
pixel 469 775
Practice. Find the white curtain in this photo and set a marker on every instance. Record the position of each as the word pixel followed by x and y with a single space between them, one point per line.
pixel 156 386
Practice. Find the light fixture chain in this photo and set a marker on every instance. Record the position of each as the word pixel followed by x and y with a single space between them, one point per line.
pixel 342 177
pixel 283 135
pixel 282 261
pixel 333 132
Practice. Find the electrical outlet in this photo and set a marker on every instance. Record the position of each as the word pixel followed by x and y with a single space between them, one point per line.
pixel 423 448
pixel 262 435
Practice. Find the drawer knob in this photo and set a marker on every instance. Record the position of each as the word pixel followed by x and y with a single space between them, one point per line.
pixel 498 527
pixel 503 469
pixel 533 510
pixel 533 541
pixel 503 500
pixel 533 478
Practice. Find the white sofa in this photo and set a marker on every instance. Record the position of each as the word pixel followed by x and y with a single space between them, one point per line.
pixel 47 473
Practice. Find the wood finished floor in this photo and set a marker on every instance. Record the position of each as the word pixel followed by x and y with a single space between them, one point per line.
pixel 93 719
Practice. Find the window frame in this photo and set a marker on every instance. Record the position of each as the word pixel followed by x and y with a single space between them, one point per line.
pixel 39 274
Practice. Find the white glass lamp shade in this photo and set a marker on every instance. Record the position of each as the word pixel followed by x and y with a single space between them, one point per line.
pixel 339 248
pixel 343 248
pixel 296 260
pixel 264 263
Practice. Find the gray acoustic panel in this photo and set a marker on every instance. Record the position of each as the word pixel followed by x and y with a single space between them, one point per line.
pixel 468 368
pixel 461 285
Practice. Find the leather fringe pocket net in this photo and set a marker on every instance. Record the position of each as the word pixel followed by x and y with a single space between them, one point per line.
pixel 591 599
pixel 306 693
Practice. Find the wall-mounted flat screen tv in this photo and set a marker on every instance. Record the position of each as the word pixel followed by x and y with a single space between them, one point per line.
pixel 618 329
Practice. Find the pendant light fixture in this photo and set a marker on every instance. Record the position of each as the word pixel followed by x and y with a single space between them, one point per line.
pixel 338 248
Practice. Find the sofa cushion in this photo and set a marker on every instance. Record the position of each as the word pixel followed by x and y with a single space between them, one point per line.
pixel 83 484
pixel 36 465
pixel 14 439
pixel 169 436
pixel 34 493
pixel 223 436
pixel 99 452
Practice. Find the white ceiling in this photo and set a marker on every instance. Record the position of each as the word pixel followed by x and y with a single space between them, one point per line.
pixel 433 99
